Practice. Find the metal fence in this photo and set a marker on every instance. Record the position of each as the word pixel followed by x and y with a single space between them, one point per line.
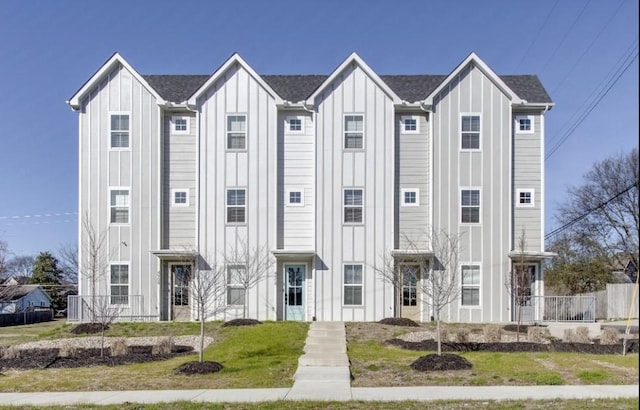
pixel 567 308
pixel 26 317
pixel 97 308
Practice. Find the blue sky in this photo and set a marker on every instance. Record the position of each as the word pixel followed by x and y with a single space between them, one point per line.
pixel 50 49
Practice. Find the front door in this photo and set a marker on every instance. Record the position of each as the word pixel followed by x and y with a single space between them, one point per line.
pixel 180 275
pixel 410 277
pixel 525 279
pixel 294 277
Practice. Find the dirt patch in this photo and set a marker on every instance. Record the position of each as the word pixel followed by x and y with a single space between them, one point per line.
pixel 242 322
pixel 398 321
pixel 190 368
pixel 446 361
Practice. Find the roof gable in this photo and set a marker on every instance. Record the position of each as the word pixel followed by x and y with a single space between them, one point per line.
pixel 11 293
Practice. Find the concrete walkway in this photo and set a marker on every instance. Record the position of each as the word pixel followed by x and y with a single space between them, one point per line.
pixel 323 374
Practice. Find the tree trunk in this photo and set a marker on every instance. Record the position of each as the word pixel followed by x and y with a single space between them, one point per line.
pixel 101 340
pixel 201 355
pixel 438 337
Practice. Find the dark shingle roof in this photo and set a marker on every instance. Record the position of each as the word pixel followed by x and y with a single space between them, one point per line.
pixel 294 88
pixel 10 293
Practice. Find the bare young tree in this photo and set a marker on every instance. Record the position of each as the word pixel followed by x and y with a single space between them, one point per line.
pixel 4 255
pixel 516 283
pixel 245 267
pixel 20 266
pixel 389 271
pixel 68 257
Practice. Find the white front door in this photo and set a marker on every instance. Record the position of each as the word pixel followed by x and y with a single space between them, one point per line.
pixel 294 279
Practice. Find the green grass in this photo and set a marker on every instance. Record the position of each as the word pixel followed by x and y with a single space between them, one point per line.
pixel 55 329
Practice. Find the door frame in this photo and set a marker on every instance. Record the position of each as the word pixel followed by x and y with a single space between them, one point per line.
pixel 286 285
pixel 419 275
pixel 171 287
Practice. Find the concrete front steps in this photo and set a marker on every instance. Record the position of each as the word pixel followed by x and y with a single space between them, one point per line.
pixel 324 367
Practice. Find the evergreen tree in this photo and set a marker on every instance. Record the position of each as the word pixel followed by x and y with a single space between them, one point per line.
pixel 46 270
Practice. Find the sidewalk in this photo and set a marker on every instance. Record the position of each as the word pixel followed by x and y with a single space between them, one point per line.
pixel 323 374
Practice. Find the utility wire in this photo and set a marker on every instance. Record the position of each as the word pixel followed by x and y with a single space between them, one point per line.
pixel 590 211
pixel 535 39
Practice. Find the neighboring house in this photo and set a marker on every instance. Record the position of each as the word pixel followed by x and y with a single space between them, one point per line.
pixel 625 269
pixel 18 298
pixel 330 172
pixel 16 280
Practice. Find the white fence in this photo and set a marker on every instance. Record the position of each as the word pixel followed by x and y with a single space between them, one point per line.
pixel 94 308
pixel 567 308
pixel 615 301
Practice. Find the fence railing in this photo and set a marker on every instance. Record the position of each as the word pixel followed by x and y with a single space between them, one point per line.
pixel 97 308
pixel 567 308
pixel 26 317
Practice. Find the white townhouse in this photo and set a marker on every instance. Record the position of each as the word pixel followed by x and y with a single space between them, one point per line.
pixel 331 173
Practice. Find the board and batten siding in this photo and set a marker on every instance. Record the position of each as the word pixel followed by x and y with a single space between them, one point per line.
pixel 135 168
pixel 412 172
pixel 254 169
pixel 485 244
pixel 371 169
pixel 527 174
pixel 179 172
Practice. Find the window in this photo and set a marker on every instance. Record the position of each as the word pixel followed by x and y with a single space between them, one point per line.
pixel 180 124
pixel 470 206
pixel 470 285
pixel 237 132
pixel 236 205
pixel 470 132
pixel 410 197
pixel 235 291
pixel 295 197
pixel 119 285
pixel 525 198
pixel 119 130
pixel 119 204
pixel 353 285
pixel 410 285
pixel 353 206
pixel 181 277
pixel 179 197
pixel 524 124
pixel 353 131
pixel 295 124
pixel 410 125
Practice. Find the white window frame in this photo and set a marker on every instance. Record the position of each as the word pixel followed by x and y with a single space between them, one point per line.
pixel 353 285
pixel 111 130
pixel 228 131
pixel 463 206
pixel 288 196
pixel 296 118
pixel 479 132
pixel 346 206
pixel 173 198
pixel 403 124
pixel 231 285
pixel 228 206
pixel 345 132
pixel 174 124
pixel 470 286
pixel 531 193
pixel 115 206
pixel 403 196
pixel 531 122
pixel 125 285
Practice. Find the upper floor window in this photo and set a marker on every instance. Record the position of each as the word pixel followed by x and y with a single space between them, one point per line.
pixel 410 197
pixel 180 124
pixel 295 124
pixel 295 197
pixel 524 124
pixel 525 198
pixel 410 125
pixel 353 131
pixel 470 285
pixel 470 205
pixel 470 132
pixel 353 284
pixel 179 197
pixel 119 206
pixel 119 284
pixel 353 206
pixel 236 205
pixel 237 131
pixel 119 130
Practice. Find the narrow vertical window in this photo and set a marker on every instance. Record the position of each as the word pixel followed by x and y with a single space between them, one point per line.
pixel 470 285
pixel 119 285
pixel 236 205
pixel 470 132
pixel 470 206
pixel 353 284
pixel 119 130
pixel 353 131
pixel 237 132
pixel 353 206
pixel 235 290
pixel 119 206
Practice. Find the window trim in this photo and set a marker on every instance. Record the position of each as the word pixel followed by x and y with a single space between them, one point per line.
pixel 477 286
pixel 174 130
pixel 227 131
pixel 288 124
pixel 128 284
pixel 403 125
pixel 471 114
pixel 532 194
pixel 403 198
pixel 111 206
pixel 524 117
pixel 352 285
pixel 175 204
pixel 288 193
pixel 111 131
pixel 226 206
pixel 344 206
pixel 479 206
pixel 344 131
pixel 230 285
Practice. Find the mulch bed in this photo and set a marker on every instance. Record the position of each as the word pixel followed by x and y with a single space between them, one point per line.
pixel 90 328
pixel 242 322
pixel 48 358
pixel 554 346
pixel 446 361
pixel 398 321
pixel 190 368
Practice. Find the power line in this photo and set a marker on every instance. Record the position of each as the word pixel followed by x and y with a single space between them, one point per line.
pixel 535 39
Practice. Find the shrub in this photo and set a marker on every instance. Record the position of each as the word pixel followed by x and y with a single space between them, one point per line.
pixel 492 333
pixel 569 336
pixel 164 346
pixel 119 347
pixel 462 335
pixel 610 336
pixel 536 334
pixel 68 349
pixel 582 334
pixel 444 333
pixel 10 352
